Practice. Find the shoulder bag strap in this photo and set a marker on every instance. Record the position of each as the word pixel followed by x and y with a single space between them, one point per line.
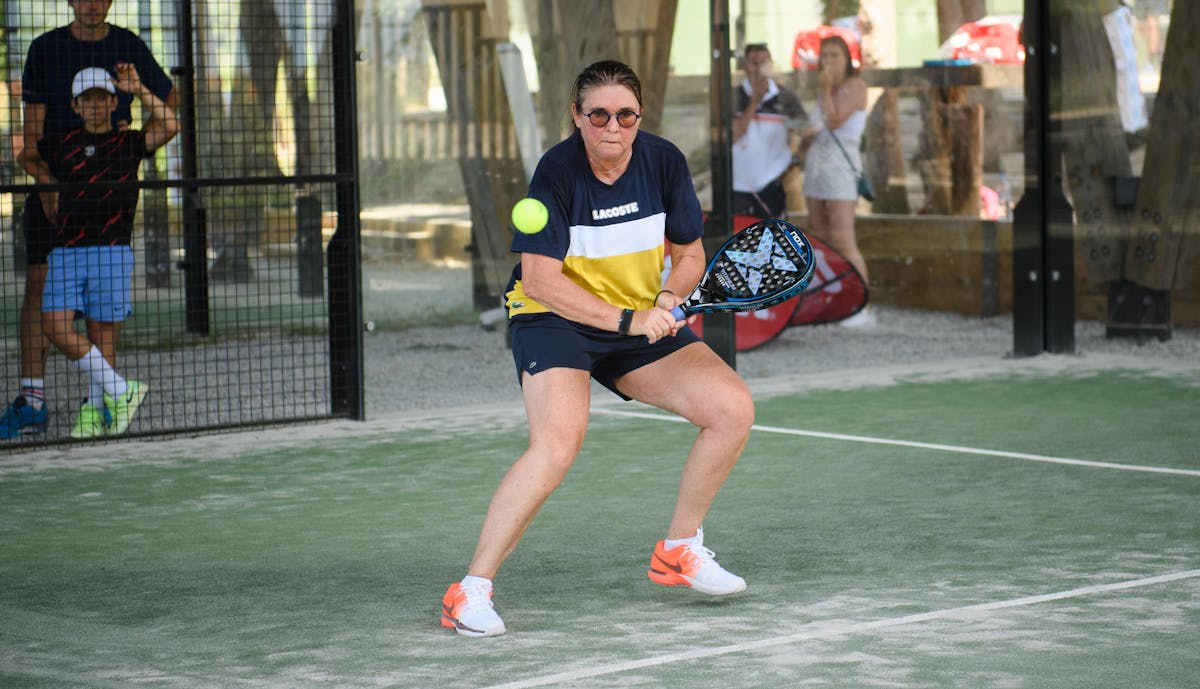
pixel 838 141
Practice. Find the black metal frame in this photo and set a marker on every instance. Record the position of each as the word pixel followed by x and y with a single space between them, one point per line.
pixel 344 255
pixel 719 328
pixel 342 262
pixel 1043 244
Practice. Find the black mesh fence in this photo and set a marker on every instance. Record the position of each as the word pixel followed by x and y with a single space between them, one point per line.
pixel 243 300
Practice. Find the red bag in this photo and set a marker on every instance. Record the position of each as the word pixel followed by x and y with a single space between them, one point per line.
pixel 991 39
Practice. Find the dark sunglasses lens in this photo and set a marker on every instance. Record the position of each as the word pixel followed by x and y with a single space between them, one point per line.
pixel 625 118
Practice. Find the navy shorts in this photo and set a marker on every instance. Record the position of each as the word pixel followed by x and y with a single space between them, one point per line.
pixel 544 341
pixel 39 231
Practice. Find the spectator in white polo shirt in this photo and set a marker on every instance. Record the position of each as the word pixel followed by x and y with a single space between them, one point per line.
pixel 766 116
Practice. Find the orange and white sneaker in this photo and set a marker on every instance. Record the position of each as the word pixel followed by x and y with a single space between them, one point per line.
pixel 467 609
pixel 691 564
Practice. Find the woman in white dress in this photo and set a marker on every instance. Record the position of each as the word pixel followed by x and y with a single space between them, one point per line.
pixel 830 181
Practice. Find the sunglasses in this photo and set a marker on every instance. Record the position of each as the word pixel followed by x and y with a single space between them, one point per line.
pixel 600 118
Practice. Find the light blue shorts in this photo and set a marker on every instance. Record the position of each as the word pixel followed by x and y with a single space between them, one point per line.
pixel 91 280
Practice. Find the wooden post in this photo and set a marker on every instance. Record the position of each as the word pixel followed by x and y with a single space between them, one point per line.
pixel 933 153
pixel 953 134
pixel 884 160
pixel 965 131
pixel 952 151
pixel 1166 241
pixel 1095 152
pixel 885 155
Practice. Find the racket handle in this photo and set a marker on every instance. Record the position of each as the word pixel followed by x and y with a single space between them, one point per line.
pixel 678 313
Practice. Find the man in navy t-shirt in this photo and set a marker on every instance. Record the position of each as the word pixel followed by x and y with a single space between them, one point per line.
pixel 53 60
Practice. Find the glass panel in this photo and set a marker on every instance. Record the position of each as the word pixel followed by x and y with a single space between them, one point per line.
pixel 458 99
pixel 939 136
pixel 448 88
pixel 1127 151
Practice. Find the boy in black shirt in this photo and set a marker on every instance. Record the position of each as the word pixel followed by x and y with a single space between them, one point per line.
pixel 92 262
pixel 53 59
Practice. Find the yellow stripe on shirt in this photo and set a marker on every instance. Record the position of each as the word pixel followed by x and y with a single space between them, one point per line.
pixel 621 263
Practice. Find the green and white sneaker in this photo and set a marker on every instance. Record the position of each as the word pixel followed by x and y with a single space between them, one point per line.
pixel 123 409
pixel 89 423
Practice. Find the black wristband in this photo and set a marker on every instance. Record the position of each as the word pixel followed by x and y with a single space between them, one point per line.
pixel 625 322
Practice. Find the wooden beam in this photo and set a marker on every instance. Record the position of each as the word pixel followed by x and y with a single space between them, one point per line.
pixel 1095 152
pixel 947 76
pixel 1166 241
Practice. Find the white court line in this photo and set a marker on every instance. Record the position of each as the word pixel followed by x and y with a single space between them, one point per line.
pixel 838 629
pixel 928 446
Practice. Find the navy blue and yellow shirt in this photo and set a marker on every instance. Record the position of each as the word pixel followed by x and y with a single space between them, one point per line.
pixel 610 237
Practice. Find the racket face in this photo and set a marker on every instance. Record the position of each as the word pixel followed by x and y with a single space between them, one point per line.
pixel 756 268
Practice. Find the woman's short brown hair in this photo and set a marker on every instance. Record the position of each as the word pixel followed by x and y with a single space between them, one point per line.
pixel 605 73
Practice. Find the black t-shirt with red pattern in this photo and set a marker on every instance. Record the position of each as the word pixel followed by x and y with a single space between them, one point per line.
pixel 98 213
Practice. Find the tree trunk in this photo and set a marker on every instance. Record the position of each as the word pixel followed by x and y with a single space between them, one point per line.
pixel 654 75
pixel 263 44
pixel 833 9
pixel 568 36
pixel 952 14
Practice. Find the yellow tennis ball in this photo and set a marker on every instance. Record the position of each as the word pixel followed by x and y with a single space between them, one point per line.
pixel 529 216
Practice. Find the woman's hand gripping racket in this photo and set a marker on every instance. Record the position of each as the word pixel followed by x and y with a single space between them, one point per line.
pixel 758 267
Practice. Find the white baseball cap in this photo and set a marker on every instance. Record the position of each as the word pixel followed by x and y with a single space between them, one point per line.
pixel 92 78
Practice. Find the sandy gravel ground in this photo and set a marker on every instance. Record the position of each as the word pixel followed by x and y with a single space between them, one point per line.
pixel 429 368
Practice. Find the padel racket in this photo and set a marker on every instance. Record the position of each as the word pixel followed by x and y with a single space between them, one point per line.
pixel 758 267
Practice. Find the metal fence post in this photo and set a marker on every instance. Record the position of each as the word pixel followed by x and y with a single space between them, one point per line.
pixel 345 248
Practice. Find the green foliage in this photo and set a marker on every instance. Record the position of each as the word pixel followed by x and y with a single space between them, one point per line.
pixel 832 9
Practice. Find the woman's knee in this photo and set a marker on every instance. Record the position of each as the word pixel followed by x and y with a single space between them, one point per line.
pixel 743 414
pixel 732 410
pixel 555 454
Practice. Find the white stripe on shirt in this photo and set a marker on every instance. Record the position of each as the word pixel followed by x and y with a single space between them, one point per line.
pixel 618 239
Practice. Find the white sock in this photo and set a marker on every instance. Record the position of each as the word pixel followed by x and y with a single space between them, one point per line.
pixel 101 373
pixel 34 391
pixel 96 395
pixel 698 539
pixel 471 580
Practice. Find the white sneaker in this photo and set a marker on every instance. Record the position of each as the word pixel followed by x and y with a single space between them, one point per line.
pixel 862 319
pixel 691 564
pixel 468 611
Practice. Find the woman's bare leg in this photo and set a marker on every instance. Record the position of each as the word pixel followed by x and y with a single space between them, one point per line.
pixel 557 403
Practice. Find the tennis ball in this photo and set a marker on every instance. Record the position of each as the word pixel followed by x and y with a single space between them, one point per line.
pixel 529 216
